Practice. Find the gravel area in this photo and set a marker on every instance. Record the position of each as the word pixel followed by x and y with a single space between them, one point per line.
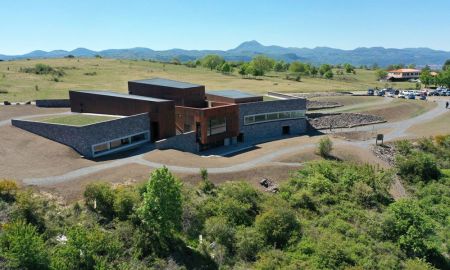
pixel 342 120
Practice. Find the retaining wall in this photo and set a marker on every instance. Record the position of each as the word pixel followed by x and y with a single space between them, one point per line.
pixel 184 142
pixel 82 138
pixel 53 103
pixel 270 130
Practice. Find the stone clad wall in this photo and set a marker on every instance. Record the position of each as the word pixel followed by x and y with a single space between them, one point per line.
pixel 271 130
pixel 82 138
pixel 184 142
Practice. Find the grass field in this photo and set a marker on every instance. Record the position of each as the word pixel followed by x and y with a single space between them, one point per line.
pixel 112 74
pixel 75 119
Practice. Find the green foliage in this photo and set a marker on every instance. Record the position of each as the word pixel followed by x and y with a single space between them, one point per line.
pixel 161 208
pixel 226 68
pixel 417 166
pixel 30 208
pixel 324 68
pixel 277 226
pixel 325 147
pixel 249 242
pixel 261 64
pixel 406 224
pixel 125 200
pixel 297 67
pixel 206 186
pixel 99 198
pixel 381 74
pixel 23 247
pixel 271 260
pixel 328 75
pixel 212 61
pixel 86 248
pixel 280 66
pixel 219 230
pixel 426 78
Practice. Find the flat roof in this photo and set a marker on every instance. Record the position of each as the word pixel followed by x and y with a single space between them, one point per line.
pixel 120 95
pixel 231 93
pixel 167 83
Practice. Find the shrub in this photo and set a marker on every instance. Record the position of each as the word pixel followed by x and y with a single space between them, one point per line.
pixel 99 198
pixel 325 146
pixel 406 223
pixel 417 167
pixel 23 247
pixel 278 226
pixel 404 147
pixel 248 243
pixel 8 189
pixel 219 230
pixel 124 201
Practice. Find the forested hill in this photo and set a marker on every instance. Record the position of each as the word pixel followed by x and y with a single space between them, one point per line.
pixel 247 50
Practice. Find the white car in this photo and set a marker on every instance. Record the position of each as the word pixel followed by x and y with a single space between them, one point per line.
pixel 390 94
pixel 401 95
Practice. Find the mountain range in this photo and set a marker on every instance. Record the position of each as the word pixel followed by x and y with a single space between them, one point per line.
pixel 247 50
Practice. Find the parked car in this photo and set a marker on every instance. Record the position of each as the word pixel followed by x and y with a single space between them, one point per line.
pixel 370 92
pixel 401 95
pixel 423 97
pixel 380 93
pixel 390 94
pixel 411 96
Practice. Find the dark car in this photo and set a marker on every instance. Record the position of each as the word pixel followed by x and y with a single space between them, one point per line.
pixel 370 92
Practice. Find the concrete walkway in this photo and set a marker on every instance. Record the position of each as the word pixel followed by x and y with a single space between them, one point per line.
pixel 398 131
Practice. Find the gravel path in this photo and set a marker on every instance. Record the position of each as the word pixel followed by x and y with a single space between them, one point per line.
pixel 399 130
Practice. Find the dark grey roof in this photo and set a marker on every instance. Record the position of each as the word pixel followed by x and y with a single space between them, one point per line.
pixel 167 83
pixel 114 94
pixel 235 94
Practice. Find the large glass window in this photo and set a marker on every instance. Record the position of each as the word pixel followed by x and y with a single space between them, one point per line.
pixel 273 116
pixel 217 126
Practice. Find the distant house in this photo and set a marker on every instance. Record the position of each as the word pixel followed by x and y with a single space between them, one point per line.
pixel 403 74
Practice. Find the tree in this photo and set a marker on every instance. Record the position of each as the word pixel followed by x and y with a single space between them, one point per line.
pixel 313 71
pixel 212 61
pixel 243 69
pixel 161 208
pixel 425 77
pixel 324 69
pixel 329 74
pixel 225 68
pixel 296 66
pixel 261 64
pixel 23 247
pixel 381 74
pixel 446 65
pixel 279 66
pixel 349 68
pixel 278 226
pixel 406 223
pixel 325 146
pixel 206 186
pixel 125 200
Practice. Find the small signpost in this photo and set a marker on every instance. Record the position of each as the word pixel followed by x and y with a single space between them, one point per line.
pixel 380 137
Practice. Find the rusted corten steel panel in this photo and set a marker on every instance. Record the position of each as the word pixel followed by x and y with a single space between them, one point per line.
pixel 190 96
pixel 161 112
pixel 188 116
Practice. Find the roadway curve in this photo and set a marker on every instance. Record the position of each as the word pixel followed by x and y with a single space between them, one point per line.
pixel 398 131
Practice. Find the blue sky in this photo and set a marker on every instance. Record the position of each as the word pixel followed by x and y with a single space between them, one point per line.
pixel 100 24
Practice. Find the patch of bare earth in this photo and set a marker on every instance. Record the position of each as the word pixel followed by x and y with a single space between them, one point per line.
pixel 24 154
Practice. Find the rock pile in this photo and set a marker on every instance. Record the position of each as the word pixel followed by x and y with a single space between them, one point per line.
pixel 342 120
pixel 317 105
pixel 385 152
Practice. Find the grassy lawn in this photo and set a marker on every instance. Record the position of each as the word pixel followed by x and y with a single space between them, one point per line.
pixel 75 119
pixel 113 74
pixel 438 126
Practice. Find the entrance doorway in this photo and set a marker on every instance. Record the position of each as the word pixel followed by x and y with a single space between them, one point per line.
pixel 240 137
pixel 286 130
pixel 154 131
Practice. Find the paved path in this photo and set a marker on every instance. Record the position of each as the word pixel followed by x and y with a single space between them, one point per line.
pixel 399 130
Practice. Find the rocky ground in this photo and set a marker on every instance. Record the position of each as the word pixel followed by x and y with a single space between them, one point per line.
pixel 342 120
pixel 317 105
pixel 385 152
